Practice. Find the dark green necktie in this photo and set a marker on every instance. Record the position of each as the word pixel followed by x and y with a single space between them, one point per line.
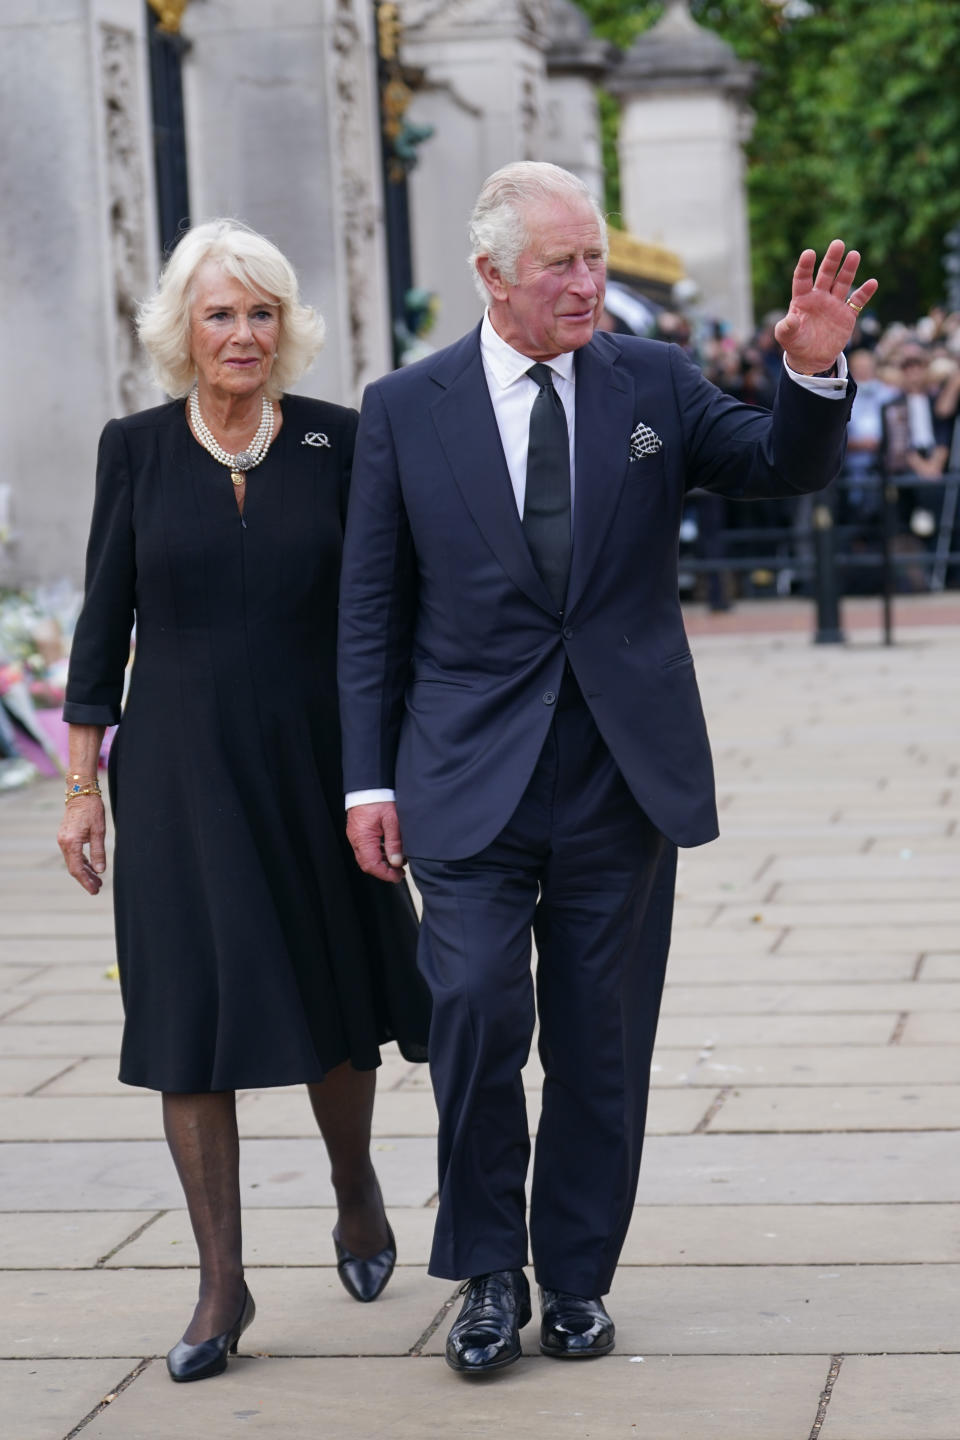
pixel 546 505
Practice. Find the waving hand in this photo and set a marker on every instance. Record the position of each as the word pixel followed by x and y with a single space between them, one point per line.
pixel 823 308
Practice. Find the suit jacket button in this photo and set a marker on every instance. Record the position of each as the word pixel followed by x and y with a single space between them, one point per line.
pixel 568 632
pixel 549 698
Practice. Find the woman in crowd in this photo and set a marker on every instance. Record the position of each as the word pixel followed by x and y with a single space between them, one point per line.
pixel 252 950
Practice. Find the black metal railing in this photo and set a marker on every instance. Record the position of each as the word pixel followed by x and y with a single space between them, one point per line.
pixel 819 552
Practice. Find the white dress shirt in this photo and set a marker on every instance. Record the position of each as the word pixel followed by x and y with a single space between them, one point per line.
pixel 920 419
pixel 512 393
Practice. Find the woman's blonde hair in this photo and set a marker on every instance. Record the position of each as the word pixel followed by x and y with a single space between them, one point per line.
pixel 163 321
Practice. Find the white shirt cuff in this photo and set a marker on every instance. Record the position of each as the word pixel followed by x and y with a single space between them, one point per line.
pixel 366 797
pixel 831 387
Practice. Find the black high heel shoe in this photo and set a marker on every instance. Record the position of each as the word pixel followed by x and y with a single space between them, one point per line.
pixel 199 1362
pixel 366 1279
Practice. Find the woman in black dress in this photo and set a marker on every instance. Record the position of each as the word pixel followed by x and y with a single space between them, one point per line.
pixel 252 950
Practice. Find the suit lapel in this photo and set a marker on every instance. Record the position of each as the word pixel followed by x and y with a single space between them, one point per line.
pixel 605 405
pixel 467 426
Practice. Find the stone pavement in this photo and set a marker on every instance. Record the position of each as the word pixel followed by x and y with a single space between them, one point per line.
pixel 793 1270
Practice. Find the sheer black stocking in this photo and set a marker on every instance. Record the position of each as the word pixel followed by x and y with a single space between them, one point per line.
pixel 343 1106
pixel 201 1131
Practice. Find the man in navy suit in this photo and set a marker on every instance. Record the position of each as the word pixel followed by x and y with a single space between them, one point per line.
pixel 519 705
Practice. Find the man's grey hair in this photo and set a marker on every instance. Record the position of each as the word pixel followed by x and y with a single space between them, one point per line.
pixel 497 226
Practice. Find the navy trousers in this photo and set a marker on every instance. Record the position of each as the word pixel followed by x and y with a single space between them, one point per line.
pixel 581 868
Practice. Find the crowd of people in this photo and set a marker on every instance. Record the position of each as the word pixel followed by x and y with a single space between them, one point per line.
pixel 905 428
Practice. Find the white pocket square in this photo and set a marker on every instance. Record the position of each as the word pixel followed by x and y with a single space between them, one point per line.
pixel 644 441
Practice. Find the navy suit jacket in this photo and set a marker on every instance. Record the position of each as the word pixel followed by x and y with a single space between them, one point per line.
pixel 451 652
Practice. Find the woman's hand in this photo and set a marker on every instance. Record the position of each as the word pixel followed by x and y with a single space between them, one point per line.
pixel 83 825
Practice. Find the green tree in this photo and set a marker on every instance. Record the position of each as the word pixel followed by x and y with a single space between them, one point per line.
pixel 857 132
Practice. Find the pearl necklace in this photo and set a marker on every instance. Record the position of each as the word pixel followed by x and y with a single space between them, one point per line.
pixel 244 459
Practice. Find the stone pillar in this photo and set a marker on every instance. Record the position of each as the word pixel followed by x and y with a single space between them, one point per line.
pixel 683 125
pixel 484 94
pixel 77 249
pixel 577 63
pixel 282 132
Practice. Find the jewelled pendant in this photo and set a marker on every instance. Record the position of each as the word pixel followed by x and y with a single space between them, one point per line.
pixel 238 477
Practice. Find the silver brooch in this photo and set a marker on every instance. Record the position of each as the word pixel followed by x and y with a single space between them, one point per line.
pixel 315 438
pixel 644 441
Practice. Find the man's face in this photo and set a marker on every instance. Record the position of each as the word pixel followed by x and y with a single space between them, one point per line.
pixel 914 366
pixel 557 299
pixel 863 366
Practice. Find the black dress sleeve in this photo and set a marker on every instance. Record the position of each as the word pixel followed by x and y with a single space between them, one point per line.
pixel 101 642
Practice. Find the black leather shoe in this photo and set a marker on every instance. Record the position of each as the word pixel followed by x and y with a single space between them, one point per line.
pixel 366 1279
pixel 574 1328
pixel 199 1362
pixel 486 1334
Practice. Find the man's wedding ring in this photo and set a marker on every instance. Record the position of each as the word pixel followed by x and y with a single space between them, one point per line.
pixel 858 308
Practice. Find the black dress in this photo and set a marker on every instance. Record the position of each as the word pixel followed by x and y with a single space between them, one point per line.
pixel 252 950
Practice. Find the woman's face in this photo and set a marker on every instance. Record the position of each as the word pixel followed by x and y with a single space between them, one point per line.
pixel 233 334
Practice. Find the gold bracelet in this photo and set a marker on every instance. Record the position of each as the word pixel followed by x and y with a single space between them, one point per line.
pixel 77 789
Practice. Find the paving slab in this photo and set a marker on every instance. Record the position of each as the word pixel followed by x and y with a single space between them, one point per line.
pixel 719 890
pixel 711 1030
pixel 830 1065
pixel 895 1397
pixel 800 1169
pixel 132 1313
pixel 838 833
pixel 772 792
pixel 940 967
pixel 931 1029
pixel 56 1117
pixel 71 1041
pixel 796 999
pixel 715 865
pixel 865 914
pixel 24 889
pixel 73 1007
pixel 671 1398
pixel 692 915
pixel 42 950
pixel 13 976
pixel 848 1107
pixel 883 890
pixel 713 942
pixel 873 868
pixel 96 1076
pixel 11 1004
pixel 865 938
pixel 831 968
pixel 46 1399
pixel 793 1234
pixel 819 849
pixel 35 1240
pixel 24 1073
pixel 19 853
pixel 781 1310
pixel 65 924
pixel 139 1174
pixel 294 1237
pixel 674 1067
pixel 915 846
